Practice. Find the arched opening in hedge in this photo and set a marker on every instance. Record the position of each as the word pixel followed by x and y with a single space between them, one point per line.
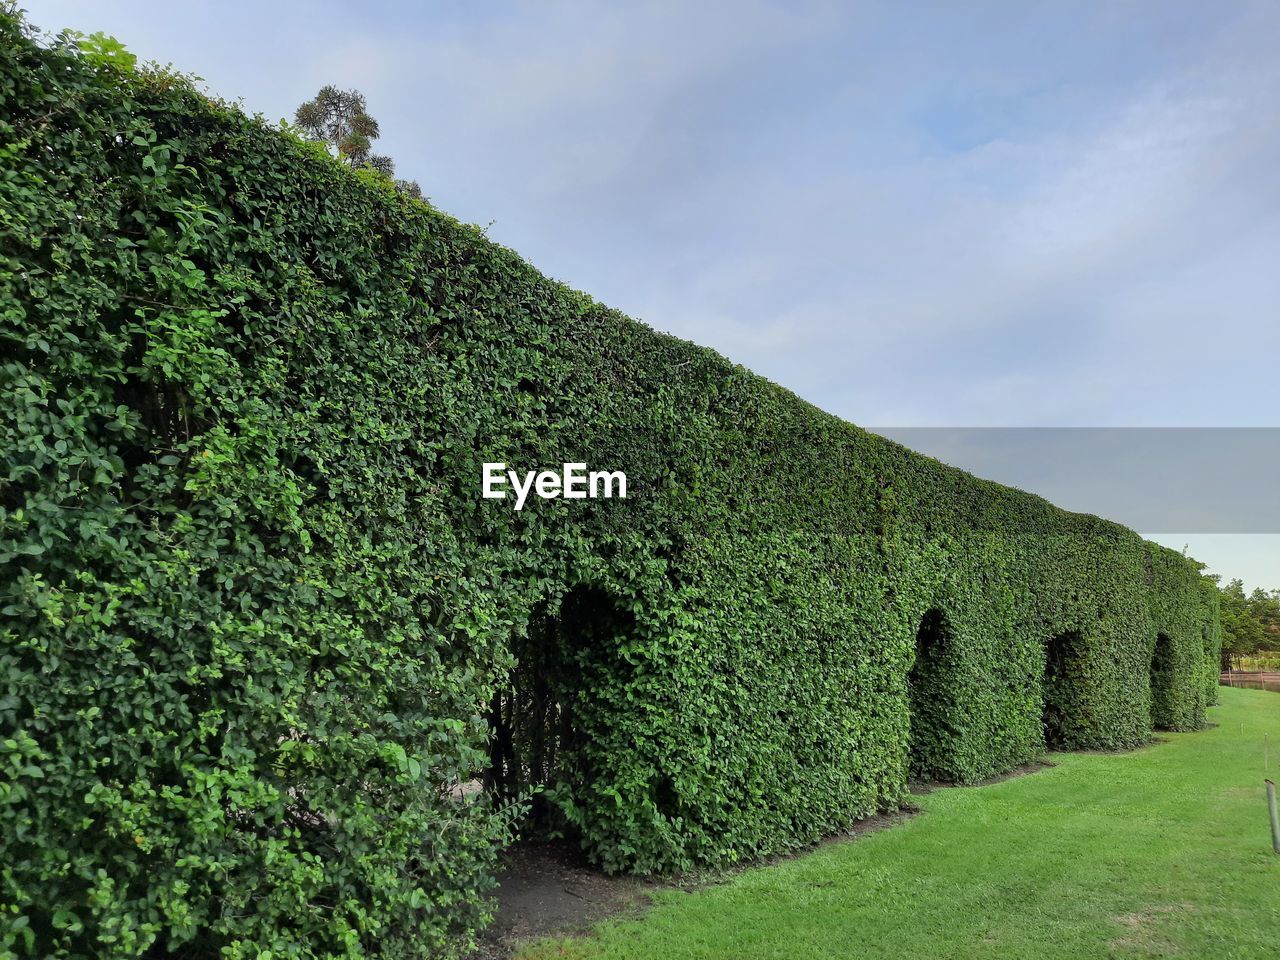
pixel 930 691
pixel 1061 688
pixel 1162 674
pixel 535 733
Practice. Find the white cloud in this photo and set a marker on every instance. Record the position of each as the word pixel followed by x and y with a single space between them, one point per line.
pixel 977 215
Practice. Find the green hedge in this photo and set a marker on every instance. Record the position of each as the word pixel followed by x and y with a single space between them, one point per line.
pixel 258 622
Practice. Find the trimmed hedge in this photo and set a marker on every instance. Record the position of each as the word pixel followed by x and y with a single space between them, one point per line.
pixel 259 626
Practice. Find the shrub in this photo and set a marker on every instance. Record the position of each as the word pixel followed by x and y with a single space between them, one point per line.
pixel 258 623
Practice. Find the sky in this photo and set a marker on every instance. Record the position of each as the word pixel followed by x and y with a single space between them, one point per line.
pixel 912 215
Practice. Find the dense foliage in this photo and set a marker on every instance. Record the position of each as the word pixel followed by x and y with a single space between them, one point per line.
pixel 259 626
pixel 1250 624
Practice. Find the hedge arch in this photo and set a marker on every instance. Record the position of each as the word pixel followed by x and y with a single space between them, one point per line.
pixel 931 688
pixel 257 612
pixel 536 720
pixel 1064 689
pixel 531 725
pixel 1163 677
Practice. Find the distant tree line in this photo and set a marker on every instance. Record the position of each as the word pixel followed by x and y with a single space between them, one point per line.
pixel 1250 622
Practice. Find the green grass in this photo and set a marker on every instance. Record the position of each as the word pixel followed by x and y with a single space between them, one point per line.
pixel 1162 852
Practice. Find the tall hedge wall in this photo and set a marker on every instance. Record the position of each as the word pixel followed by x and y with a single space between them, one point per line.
pixel 257 619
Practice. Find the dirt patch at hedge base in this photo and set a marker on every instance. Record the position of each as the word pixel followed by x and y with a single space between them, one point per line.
pixel 548 889
pixel 920 787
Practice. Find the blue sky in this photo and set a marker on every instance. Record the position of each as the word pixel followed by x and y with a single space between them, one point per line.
pixel 986 214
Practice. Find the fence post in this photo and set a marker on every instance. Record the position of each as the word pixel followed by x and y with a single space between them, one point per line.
pixel 1275 818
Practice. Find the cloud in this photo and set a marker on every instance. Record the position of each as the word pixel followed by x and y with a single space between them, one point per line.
pixel 998 214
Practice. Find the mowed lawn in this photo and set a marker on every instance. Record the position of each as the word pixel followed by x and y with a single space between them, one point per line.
pixel 1162 852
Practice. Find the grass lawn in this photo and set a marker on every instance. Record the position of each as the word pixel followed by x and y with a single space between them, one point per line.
pixel 1163 852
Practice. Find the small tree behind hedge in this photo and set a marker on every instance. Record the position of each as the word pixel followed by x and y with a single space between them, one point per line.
pixel 340 120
